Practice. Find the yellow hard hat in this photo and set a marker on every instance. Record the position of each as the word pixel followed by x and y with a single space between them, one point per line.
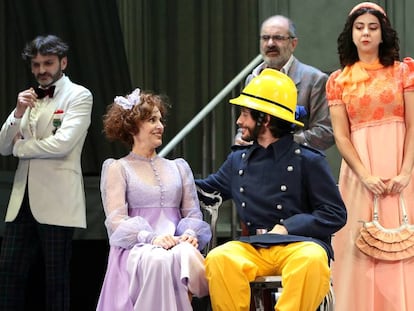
pixel 271 92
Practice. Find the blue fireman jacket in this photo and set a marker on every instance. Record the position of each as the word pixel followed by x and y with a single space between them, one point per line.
pixel 285 183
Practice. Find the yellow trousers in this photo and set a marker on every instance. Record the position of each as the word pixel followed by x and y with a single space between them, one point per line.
pixel 303 266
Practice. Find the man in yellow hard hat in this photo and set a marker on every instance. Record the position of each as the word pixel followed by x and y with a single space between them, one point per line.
pixel 279 188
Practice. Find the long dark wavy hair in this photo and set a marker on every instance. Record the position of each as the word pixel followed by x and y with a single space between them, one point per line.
pixel 389 49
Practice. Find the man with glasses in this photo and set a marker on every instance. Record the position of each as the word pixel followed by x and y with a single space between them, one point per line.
pixel 278 41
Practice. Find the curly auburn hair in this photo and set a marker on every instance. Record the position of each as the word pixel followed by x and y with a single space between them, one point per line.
pixel 122 124
pixel 388 49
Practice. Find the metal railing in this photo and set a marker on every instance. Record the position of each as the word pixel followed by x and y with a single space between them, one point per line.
pixel 210 106
pixel 232 88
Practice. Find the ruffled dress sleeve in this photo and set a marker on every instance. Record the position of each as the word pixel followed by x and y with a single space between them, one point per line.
pixel 123 231
pixel 334 90
pixel 192 222
pixel 408 74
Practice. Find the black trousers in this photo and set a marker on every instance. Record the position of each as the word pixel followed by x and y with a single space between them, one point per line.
pixel 23 242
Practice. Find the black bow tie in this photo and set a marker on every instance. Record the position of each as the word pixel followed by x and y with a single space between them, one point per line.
pixel 45 92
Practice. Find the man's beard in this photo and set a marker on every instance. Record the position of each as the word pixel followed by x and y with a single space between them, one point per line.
pixel 54 78
pixel 275 63
pixel 251 134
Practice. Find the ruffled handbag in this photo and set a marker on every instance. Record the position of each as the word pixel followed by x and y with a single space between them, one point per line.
pixel 387 244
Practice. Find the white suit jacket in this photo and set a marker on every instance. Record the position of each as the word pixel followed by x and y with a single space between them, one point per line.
pixel 50 163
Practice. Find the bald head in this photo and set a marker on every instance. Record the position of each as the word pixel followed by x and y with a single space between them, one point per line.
pixel 280 20
pixel 277 41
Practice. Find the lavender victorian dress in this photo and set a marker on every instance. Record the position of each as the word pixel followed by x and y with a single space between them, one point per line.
pixel 143 198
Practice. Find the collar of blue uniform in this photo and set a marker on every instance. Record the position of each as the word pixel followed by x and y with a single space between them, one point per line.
pixel 279 147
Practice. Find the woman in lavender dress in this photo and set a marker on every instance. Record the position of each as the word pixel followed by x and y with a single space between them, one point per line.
pixel 153 217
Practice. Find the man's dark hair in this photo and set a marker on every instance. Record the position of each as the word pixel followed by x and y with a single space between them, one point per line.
pixel 278 127
pixel 45 45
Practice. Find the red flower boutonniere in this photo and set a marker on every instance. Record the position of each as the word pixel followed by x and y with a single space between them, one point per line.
pixel 57 119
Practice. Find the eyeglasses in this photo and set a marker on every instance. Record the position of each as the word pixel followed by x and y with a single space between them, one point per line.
pixel 275 38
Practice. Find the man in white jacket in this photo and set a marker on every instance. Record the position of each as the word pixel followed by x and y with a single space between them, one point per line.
pixel 46 132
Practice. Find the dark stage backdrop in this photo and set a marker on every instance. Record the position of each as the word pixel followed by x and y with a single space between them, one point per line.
pixel 96 60
pixel 186 49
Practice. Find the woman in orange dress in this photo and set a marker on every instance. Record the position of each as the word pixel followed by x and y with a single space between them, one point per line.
pixel 371 100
